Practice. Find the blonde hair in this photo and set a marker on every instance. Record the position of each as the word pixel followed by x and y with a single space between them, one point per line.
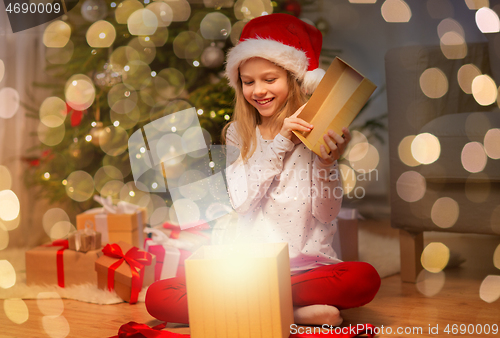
pixel 248 117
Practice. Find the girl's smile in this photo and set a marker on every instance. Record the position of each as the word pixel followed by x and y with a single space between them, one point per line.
pixel 264 85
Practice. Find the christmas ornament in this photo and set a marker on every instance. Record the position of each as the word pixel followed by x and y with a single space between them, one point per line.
pixel 212 57
pixel 93 10
pixel 293 6
pixel 99 134
pixel 107 76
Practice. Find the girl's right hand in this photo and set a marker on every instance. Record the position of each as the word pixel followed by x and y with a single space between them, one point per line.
pixel 294 123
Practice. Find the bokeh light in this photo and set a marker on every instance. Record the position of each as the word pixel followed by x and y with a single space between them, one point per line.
pixel 112 188
pixel 142 22
pixel 496 257
pixel 51 136
pixel 125 9
pixel 11 225
pixel 404 151
pixel 55 326
pixel 53 112
pixel 215 26
pixel 116 141
pixel 473 157
pixel 188 45
pixel 487 20
pixel 445 212
pixel 101 34
pixel 362 1
pixel 121 56
pixel 212 57
pixel 128 120
pixel 484 90
pixel 368 162
pixel 4 237
pixel 489 291
pixel 433 83
pixel 349 179
pixel 159 38
pixel 396 11
pixel 163 13
pixel 52 217
pixel 169 83
pixel 7 275
pixel 477 188
pixel 2 70
pixel 249 9
pixel 435 257
pixel 477 4
pixel 440 9
pixel 181 10
pixel 466 74
pixel 411 186
pixel 105 174
pixel 359 152
pixel 9 102
pixel 133 192
pixel 122 98
pixel 492 143
pixel 430 284
pixel 146 51
pixel 60 56
pixel 50 303
pixel 9 205
pixel 218 3
pixel 57 34
pixel 79 92
pixel 236 32
pixel 137 74
pixel 449 25
pixel 80 186
pixel 5 178
pixel 16 310
pixel 453 45
pixel 426 148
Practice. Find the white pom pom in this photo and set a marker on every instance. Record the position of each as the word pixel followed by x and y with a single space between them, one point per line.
pixel 312 80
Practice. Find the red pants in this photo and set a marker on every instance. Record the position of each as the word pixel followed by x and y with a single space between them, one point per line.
pixel 344 285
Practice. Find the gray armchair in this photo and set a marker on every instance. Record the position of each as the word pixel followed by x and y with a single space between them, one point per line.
pixel 468 202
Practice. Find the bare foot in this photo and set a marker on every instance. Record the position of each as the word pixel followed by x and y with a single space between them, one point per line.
pixel 317 315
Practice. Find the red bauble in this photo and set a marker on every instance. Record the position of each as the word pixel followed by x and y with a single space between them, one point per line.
pixel 293 6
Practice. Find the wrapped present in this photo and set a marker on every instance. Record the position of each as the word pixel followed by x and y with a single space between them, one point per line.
pixel 125 269
pixel 239 291
pixel 122 222
pixel 169 260
pixel 85 240
pixel 189 239
pixel 54 264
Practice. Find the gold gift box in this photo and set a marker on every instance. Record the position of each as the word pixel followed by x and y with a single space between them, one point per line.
pixel 334 104
pixel 239 291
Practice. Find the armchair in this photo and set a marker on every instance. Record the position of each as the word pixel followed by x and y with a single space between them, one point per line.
pixel 442 195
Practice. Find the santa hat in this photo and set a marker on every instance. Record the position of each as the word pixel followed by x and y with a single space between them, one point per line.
pixel 284 40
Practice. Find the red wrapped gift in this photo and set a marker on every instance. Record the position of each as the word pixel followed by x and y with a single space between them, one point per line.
pixel 125 269
pixel 169 260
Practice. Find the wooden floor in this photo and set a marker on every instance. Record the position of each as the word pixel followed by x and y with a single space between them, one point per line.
pixel 450 298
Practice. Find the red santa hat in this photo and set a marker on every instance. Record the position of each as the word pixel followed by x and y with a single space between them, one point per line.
pixel 284 40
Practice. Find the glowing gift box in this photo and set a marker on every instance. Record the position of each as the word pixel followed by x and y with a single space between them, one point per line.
pixel 54 264
pixel 125 269
pixel 334 104
pixel 123 222
pixel 239 291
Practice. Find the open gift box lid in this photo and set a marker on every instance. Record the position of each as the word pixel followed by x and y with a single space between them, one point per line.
pixel 334 104
pixel 123 273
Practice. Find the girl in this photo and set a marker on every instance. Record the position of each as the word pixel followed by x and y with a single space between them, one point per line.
pixel 281 190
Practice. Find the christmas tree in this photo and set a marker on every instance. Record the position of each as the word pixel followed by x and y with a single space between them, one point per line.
pixel 118 66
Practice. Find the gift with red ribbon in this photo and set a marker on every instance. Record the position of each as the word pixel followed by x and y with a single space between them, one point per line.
pixel 125 269
pixel 169 260
pixel 53 264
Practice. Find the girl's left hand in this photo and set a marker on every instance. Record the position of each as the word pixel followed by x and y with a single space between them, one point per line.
pixel 337 145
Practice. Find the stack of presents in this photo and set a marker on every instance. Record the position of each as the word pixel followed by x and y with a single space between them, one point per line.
pixel 115 250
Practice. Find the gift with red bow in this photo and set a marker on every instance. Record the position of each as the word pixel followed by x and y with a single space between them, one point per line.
pixel 53 264
pixel 125 269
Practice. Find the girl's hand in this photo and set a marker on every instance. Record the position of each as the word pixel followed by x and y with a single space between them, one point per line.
pixel 295 123
pixel 337 145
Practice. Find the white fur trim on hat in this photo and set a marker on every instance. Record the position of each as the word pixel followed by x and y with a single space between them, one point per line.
pixel 312 80
pixel 288 57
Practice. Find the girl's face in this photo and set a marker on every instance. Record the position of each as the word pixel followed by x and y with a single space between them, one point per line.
pixel 264 85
